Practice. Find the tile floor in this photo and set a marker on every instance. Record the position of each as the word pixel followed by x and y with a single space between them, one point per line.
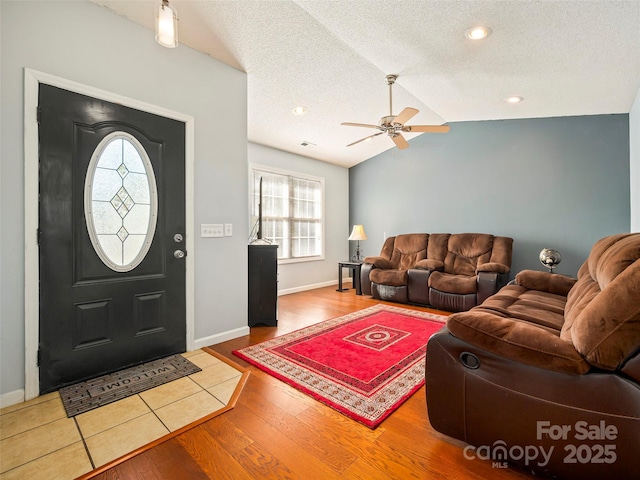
pixel 37 440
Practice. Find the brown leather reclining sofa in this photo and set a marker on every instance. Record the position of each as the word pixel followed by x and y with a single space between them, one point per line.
pixel 546 373
pixel 451 272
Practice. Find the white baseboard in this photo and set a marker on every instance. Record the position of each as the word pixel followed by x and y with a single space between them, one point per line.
pixel 11 398
pixel 303 288
pixel 239 332
pixel 221 337
pixel 17 396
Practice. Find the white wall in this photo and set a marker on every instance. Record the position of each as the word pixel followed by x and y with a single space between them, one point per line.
pixel 634 160
pixel 85 43
pixel 294 277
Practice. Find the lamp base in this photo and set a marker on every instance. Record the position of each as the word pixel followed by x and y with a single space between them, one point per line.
pixel 357 254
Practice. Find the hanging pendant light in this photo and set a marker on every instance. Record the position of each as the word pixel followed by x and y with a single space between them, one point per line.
pixel 166 25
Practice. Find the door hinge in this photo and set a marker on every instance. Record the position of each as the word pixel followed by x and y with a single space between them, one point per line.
pixel 39 359
pixel 39 235
pixel 38 114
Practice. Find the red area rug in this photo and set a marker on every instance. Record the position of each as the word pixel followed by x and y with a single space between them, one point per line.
pixel 364 364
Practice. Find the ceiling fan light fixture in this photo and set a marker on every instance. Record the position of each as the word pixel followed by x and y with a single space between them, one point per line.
pixel 478 33
pixel 166 25
pixel 299 110
pixel 393 125
pixel 514 99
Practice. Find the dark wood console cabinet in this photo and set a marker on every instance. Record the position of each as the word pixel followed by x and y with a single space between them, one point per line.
pixel 263 285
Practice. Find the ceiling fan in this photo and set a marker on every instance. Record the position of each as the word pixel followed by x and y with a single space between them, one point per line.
pixel 394 125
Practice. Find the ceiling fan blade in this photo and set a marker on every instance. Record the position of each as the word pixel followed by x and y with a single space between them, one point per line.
pixel 366 125
pixel 426 128
pixel 365 138
pixel 400 141
pixel 405 115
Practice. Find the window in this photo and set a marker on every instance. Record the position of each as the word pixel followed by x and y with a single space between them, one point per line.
pixel 292 212
pixel 120 202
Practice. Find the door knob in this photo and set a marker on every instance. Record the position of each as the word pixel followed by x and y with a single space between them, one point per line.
pixel 179 254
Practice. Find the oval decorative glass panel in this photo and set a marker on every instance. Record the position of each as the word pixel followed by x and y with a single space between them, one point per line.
pixel 120 201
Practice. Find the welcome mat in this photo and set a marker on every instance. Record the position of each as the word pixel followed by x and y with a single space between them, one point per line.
pixel 364 364
pixel 84 396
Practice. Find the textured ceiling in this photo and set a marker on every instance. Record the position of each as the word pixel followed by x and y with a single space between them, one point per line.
pixel 564 57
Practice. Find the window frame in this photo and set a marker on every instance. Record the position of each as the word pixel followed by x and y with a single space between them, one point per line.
pixel 297 175
pixel 89 202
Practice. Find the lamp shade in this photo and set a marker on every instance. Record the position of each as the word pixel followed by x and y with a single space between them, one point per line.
pixel 358 233
pixel 166 25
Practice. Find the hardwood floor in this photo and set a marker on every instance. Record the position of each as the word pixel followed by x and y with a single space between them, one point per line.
pixel 276 432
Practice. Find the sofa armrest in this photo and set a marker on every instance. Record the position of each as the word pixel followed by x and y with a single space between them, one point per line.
pixel 517 340
pixel 370 259
pixel 429 264
pixel 545 282
pixel 493 267
pixel 365 281
pixel 488 284
pixel 379 262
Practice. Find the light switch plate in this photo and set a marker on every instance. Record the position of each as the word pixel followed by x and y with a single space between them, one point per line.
pixel 211 230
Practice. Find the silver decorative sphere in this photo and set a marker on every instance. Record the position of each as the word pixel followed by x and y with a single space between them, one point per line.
pixel 550 258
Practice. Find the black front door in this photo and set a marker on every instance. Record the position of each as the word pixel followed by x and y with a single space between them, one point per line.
pixel 111 237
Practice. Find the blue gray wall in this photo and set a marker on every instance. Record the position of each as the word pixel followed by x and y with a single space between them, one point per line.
pixel 559 183
pixel 634 163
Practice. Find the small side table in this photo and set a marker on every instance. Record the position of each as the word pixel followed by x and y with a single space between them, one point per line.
pixel 355 268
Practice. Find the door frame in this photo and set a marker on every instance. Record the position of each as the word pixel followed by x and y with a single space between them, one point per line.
pixel 32 81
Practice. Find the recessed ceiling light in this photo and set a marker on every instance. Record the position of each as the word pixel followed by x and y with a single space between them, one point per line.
pixel 478 33
pixel 299 110
pixel 514 99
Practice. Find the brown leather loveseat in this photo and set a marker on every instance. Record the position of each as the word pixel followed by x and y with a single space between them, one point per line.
pixel 546 373
pixel 447 271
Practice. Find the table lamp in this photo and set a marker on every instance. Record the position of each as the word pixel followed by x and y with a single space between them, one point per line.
pixel 357 234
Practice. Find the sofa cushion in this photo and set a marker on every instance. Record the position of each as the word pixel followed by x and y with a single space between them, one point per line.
pixel 393 277
pixel 409 249
pixel 385 253
pixel 429 264
pixel 459 284
pixel 602 316
pixel 540 308
pixel 466 251
pixel 437 248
